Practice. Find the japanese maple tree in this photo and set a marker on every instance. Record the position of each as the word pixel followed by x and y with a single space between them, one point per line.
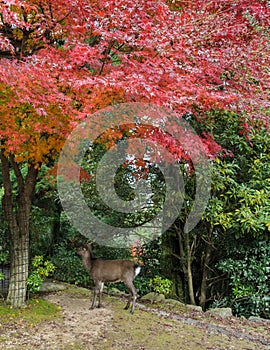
pixel 61 61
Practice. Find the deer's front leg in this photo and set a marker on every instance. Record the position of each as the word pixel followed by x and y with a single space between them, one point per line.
pixel 100 294
pixel 96 291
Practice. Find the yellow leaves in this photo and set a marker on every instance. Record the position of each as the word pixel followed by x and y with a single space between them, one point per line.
pixel 18 34
pixel 43 148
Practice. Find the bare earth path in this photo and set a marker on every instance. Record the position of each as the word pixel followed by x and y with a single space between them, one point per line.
pixel 113 328
pixel 77 329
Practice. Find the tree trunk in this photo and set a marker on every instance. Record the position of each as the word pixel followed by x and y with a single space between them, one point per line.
pixel 186 259
pixel 205 262
pixel 189 269
pixel 204 282
pixel 17 291
pixel 17 214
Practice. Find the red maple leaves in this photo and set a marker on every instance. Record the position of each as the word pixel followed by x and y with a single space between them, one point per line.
pixel 66 60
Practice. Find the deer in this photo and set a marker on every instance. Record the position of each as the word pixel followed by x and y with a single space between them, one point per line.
pixel 102 271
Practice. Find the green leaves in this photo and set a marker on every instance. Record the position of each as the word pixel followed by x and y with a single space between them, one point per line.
pixel 240 199
pixel 161 285
pixel 249 275
pixel 40 270
pixel 68 266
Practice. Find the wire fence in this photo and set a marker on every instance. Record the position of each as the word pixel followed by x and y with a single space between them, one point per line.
pixel 4 265
pixel 4 283
pixel 13 282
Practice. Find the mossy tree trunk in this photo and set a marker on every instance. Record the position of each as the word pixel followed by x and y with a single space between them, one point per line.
pixel 17 208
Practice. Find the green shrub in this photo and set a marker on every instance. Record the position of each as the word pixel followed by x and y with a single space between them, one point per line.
pixel 2 276
pixel 161 285
pixel 4 256
pixel 39 271
pixel 142 284
pixel 249 275
pixel 69 267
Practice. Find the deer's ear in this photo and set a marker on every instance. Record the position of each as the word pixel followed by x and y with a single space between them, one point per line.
pixel 89 246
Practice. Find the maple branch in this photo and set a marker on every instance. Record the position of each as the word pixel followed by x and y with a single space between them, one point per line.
pixel 65 16
pixel 119 47
pixel 48 31
pixel 50 10
pixel 17 173
pixel 7 197
pixel 6 175
pixel 19 44
pixel 106 54
pixel 31 179
pixel 177 256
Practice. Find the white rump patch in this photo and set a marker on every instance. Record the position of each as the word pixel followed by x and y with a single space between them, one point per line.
pixel 137 270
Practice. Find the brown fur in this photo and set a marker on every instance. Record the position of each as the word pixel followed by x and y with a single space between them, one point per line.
pixel 109 271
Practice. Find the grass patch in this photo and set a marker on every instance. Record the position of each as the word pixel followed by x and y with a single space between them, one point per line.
pixel 145 330
pixel 78 291
pixel 36 311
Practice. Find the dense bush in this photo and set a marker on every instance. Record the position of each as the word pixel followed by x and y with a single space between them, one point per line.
pixel 149 257
pixel 69 267
pixel 249 279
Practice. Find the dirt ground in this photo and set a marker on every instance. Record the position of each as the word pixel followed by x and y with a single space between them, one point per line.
pixel 77 329
pixel 112 328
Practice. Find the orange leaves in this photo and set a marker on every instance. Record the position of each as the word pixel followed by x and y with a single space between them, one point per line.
pixel 137 252
pixel 109 137
pixel 28 135
pixel 107 96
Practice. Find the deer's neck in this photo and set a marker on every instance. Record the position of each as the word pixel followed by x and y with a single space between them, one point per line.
pixel 87 261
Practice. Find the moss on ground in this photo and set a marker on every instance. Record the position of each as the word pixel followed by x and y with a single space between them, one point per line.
pixel 145 330
pixel 36 311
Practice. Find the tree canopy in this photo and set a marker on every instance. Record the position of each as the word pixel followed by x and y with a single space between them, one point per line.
pixel 61 61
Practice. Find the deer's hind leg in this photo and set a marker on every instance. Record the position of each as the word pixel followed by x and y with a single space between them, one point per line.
pixel 132 295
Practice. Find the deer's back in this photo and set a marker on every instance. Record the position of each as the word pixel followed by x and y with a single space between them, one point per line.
pixel 112 270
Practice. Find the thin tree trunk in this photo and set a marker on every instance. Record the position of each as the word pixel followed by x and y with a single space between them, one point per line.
pixel 205 262
pixel 17 214
pixel 204 283
pixel 186 259
pixel 189 270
